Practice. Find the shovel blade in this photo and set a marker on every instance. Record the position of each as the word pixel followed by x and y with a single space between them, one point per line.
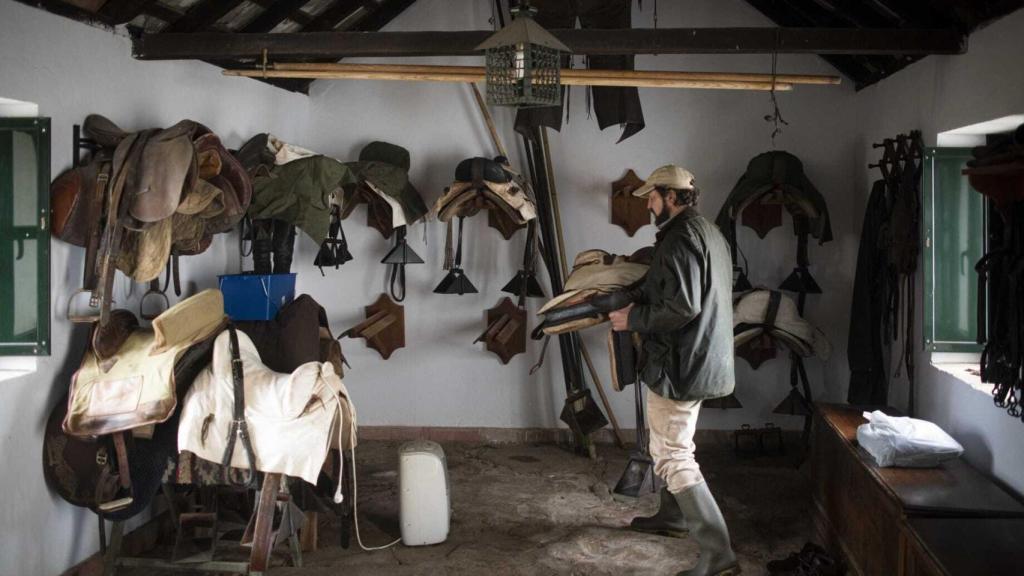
pixel 639 471
pixel 582 414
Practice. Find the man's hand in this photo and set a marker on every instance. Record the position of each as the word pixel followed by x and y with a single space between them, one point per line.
pixel 620 318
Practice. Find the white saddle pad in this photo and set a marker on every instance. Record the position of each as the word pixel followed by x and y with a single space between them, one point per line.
pixel 293 419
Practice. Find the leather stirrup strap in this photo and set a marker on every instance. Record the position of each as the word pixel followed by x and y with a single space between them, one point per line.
pixel 398 269
pixel 239 429
pixel 774 299
pixel 95 215
pixel 543 353
pixel 124 478
pixel 458 249
pixel 124 472
pixel 117 212
pixel 175 275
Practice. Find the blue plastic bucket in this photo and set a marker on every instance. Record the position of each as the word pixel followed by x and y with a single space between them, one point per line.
pixel 256 296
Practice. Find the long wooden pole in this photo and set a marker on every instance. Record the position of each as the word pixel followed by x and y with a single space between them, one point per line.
pixel 367 74
pixel 815 79
pixel 489 120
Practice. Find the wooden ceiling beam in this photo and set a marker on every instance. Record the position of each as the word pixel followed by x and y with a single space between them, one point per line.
pixel 337 45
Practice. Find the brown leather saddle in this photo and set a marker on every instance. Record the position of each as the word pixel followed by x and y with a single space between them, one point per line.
pixel 481 184
pixel 131 378
pixel 143 197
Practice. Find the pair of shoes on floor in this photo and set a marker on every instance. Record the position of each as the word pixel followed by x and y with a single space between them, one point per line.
pixel 812 560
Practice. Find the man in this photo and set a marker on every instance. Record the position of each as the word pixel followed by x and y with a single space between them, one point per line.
pixel 685 322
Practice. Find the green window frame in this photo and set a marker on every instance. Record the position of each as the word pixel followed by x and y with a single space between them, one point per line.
pixel 24 236
pixel 954 239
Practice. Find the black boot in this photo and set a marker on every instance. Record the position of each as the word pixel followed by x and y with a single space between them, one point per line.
pixel 284 245
pixel 262 245
pixel 668 521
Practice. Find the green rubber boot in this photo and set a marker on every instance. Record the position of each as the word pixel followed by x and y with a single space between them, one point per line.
pixel 668 521
pixel 707 527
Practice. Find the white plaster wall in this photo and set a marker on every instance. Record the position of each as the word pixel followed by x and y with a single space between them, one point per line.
pixel 441 378
pixel 71 70
pixel 937 94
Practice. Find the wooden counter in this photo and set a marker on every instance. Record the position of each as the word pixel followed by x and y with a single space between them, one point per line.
pixel 860 509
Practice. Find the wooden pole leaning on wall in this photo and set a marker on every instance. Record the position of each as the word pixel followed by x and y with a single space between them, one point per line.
pixel 489 120
pixel 569 77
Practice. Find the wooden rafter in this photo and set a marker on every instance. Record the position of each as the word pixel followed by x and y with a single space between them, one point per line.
pixel 278 12
pixel 201 16
pixel 375 18
pixel 334 14
pixel 835 27
pixel 337 45
pixel 122 11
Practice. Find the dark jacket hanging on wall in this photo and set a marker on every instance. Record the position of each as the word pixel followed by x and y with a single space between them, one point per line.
pixel 611 104
pixel 869 384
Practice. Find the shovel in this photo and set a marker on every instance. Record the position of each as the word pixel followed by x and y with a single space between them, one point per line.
pixel 582 414
pixel 640 468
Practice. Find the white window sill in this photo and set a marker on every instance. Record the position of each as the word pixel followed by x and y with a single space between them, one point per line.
pixel 13 367
pixel 968 373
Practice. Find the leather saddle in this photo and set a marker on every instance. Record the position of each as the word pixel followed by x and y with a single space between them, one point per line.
pixel 598 284
pixel 130 379
pixel 485 184
pixel 307 407
pixel 143 197
pixel 126 378
pixel 480 184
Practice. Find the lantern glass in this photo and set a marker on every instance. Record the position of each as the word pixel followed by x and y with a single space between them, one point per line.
pixel 523 75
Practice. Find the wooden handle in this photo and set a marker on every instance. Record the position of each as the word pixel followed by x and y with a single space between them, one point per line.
pixel 378 326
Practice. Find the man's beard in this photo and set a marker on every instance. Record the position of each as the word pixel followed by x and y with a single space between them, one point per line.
pixel 660 219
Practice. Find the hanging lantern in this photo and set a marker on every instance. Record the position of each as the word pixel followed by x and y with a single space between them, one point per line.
pixel 523 61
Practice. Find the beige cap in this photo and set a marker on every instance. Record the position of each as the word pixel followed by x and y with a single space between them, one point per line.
pixel 668 176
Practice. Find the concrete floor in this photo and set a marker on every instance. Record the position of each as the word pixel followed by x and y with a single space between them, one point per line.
pixel 537 510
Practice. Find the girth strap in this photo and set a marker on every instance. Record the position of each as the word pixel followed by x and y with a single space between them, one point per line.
pixel 239 429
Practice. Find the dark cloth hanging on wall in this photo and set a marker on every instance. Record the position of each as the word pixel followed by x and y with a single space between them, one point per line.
pixel 882 308
pixel 613 105
pixel 869 383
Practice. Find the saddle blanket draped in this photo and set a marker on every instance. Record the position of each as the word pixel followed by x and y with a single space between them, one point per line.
pixel 293 419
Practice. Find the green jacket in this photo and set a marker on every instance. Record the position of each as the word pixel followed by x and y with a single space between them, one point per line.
pixel 298 192
pixel 685 317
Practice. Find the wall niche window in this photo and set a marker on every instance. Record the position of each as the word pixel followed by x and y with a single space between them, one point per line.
pixel 24 236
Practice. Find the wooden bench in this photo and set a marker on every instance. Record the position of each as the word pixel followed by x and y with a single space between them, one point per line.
pixel 864 512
